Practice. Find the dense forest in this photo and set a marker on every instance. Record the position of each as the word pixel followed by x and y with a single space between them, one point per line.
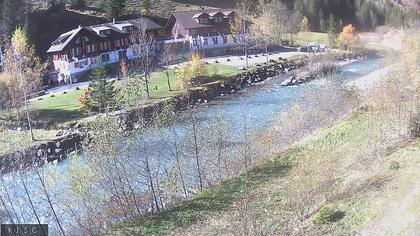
pixel 62 15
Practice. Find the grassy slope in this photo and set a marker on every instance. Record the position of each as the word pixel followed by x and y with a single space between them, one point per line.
pixel 10 138
pixel 276 186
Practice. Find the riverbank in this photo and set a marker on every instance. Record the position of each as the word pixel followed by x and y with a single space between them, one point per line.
pixel 58 148
pixel 70 139
pixel 336 167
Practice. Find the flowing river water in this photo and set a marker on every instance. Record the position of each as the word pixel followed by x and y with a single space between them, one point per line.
pixel 261 103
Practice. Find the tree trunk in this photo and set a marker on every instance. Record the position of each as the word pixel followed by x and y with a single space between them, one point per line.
pixel 169 82
pixel 30 202
pixel 266 51
pixel 197 156
pixel 27 115
pixel 49 202
pixel 184 188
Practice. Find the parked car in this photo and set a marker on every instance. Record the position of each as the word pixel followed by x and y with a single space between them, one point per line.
pixel 302 49
pixel 313 47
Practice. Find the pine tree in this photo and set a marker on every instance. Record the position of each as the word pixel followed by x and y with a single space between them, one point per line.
pixel 333 29
pixel 322 26
pixel 146 5
pixel 103 91
pixel 114 8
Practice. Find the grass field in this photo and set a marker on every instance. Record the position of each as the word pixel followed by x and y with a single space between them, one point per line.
pixel 66 107
pixel 12 140
pixel 303 38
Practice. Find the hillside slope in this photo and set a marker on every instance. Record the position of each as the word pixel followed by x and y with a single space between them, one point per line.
pixel 336 167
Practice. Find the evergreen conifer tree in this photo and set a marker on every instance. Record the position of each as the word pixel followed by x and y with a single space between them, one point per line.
pixel 114 8
pixel 103 91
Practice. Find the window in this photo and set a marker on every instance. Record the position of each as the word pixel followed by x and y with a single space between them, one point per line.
pixel 225 39
pixel 218 19
pixel 231 18
pixel 90 48
pixel 193 31
pixel 206 41
pixel 105 57
pixel 80 64
pixel 122 54
pixel 195 42
pixel 75 51
pixel 105 32
pixel 117 43
pixel 216 40
pixel 203 20
pixel 127 29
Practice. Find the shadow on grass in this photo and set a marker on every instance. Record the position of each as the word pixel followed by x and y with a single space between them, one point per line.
pixel 213 200
pixel 56 115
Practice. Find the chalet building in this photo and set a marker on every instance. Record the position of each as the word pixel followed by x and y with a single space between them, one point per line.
pixel 79 50
pixel 204 30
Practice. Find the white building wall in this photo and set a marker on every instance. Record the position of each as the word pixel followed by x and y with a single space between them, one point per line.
pixel 202 45
pixel 68 69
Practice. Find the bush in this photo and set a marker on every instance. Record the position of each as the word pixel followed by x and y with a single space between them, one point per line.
pixel 324 216
pixel 415 126
pixel 395 165
pixel 76 4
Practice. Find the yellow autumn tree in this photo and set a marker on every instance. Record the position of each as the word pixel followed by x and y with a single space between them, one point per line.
pixel 191 70
pixel 304 25
pixel 349 36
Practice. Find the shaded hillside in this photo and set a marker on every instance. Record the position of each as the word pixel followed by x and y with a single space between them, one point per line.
pixel 46 25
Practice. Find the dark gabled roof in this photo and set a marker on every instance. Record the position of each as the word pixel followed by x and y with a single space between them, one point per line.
pixel 186 18
pixel 216 13
pixel 61 42
pixel 115 27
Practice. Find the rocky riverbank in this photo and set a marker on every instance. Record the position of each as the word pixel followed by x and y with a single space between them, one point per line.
pixel 78 135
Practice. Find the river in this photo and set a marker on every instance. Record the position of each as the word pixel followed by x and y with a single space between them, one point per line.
pixel 259 103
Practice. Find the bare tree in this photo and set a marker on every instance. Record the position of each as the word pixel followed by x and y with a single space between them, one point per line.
pixel 144 46
pixel 239 27
pixel 166 59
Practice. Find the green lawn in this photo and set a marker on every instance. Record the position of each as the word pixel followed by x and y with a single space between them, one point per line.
pixel 303 38
pixel 61 107
pixel 12 140
pixel 66 107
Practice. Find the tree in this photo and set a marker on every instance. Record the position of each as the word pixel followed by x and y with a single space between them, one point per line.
pixel 191 70
pixel 333 29
pixel 23 67
pixel 322 26
pixel 76 4
pixel 114 8
pixel 239 27
pixel 9 20
pixel 304 25
pixel 146 5
pixel 263 30
pixel 103 90
pixel 144 49
pixel 167 58
pixel 348 37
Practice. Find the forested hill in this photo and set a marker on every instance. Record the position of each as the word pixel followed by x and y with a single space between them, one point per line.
pixel 46 19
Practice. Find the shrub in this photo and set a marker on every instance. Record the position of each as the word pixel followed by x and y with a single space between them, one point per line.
pixel 324 216
pixel 415 126
pixel 395 165
pixel 76 4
